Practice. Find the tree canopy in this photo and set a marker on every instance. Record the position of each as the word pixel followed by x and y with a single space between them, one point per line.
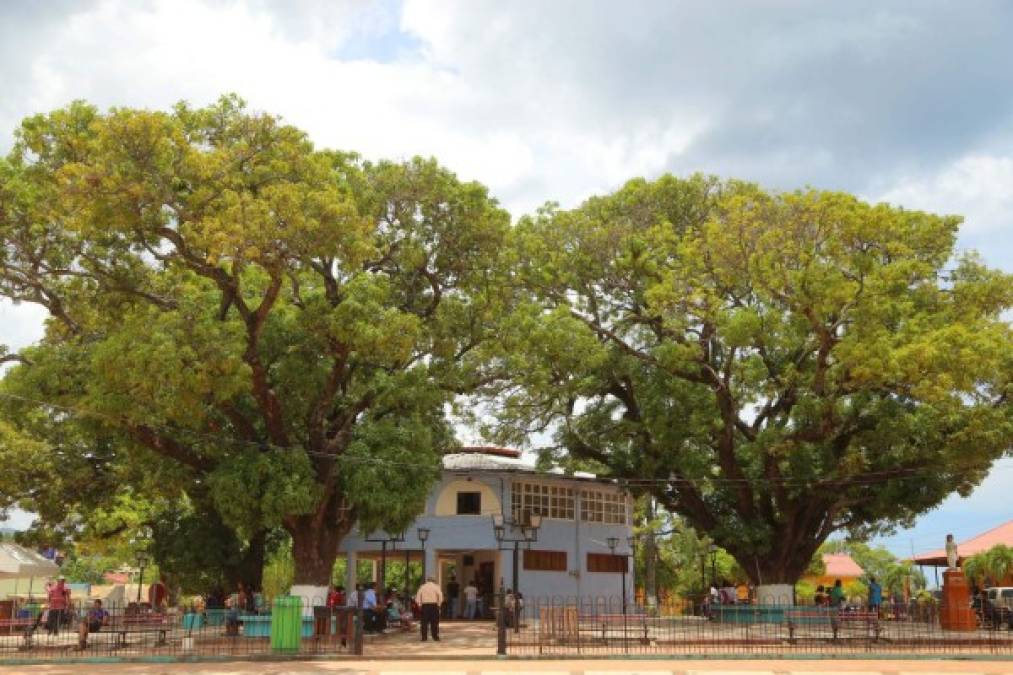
pixel 773 366
pixel 247 332
pixel 993 567
pixel 270 328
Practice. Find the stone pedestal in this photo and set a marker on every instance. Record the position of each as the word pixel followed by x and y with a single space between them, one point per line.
pixel 955 612
pixel 775 595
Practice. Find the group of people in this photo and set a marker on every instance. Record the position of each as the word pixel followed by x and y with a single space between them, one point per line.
pixel 430 601
pixel 429 604
pixel 463 603
pixel 59 610
pixel 243 601
pixel 727 593
pixel 834 596
pixel 378 613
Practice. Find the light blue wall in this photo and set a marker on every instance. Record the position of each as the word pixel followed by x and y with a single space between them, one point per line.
pixel 577 538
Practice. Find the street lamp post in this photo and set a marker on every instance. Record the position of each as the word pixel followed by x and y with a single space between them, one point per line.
pixel 632 541
pixel 142 560
pixel 613 542
pixel 528 532
pixel 383 541
pixel 423 533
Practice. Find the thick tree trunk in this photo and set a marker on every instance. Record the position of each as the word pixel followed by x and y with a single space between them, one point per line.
pixel 315 540
pixel 784 565
pixel 792 539
pixel 251 567
pixel 315 549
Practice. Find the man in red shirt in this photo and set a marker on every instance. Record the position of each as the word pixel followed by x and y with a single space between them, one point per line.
pixel 59 601
pixel 157 594
pixel 336 597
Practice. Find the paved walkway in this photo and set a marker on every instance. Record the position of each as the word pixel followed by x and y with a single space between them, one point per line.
pixel 457 638
pixel 491 667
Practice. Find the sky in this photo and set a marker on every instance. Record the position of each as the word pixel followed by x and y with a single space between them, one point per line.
pixel 905 102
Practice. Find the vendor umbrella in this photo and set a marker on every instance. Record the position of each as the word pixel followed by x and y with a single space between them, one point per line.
pixel 17 562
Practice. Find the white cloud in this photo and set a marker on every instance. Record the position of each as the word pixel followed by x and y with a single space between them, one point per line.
pixel 907 102
pixel 980 187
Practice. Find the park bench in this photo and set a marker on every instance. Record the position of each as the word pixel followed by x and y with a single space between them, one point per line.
pixel 120 627
pixel 563 625
pixel 26 627
pixel 870 619
pixel 797 618
pixel 834 619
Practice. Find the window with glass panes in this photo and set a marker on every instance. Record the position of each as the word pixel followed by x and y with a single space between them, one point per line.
pixel 597 506
pixel 549 501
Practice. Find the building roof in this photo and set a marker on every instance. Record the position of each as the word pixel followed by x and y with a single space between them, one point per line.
pixel 1003 534
pixel 494 450
pixel 841 565
pixel 486 458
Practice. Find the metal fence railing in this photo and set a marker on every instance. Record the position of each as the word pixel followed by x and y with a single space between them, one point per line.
pixel 286 628
pixel 606 627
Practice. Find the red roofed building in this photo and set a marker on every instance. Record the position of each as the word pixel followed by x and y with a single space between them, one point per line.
pixel 1003 534
pixel 838 566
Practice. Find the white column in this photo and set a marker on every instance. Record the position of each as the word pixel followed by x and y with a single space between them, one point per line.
pixel 431 570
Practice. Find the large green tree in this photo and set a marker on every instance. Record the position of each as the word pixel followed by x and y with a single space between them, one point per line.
pixel 281 325
pixel 772 366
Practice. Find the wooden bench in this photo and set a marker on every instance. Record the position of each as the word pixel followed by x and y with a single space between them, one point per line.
pixel 26 627
pixel 834 618
pixel 795 618
pixel 869 618
pixel 120 628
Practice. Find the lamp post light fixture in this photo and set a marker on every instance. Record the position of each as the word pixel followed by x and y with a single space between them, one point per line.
pixel 423 534
pixel 142 560
pixel 527 532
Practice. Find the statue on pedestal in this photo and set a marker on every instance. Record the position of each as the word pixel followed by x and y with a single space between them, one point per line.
pixel 951 552
pixel 955 611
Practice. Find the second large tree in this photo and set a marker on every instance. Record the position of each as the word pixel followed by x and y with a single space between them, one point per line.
pixel 775 367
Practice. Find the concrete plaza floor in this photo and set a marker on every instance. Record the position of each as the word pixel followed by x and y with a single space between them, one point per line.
pixel 468 648
pixel 494 667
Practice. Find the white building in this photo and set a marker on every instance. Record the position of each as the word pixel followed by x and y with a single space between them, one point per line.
pixel 571 557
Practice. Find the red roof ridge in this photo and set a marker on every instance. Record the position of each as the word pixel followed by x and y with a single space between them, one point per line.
pixel 494 450
pixel 986 532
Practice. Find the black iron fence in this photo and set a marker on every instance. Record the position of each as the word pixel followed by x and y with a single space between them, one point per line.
pixel 288 627
pixel 608 627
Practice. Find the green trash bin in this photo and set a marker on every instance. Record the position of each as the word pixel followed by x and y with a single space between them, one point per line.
pixel 286 623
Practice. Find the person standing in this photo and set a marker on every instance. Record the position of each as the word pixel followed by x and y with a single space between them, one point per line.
pixel 158 594
pixel 453 593
pixel 58 596
pixel 837 594
pixel 352 599
pixel 508 608
pixel 336 597
pixel 875 595
pixel 370 608
pixel 470 601
pixel 429 598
